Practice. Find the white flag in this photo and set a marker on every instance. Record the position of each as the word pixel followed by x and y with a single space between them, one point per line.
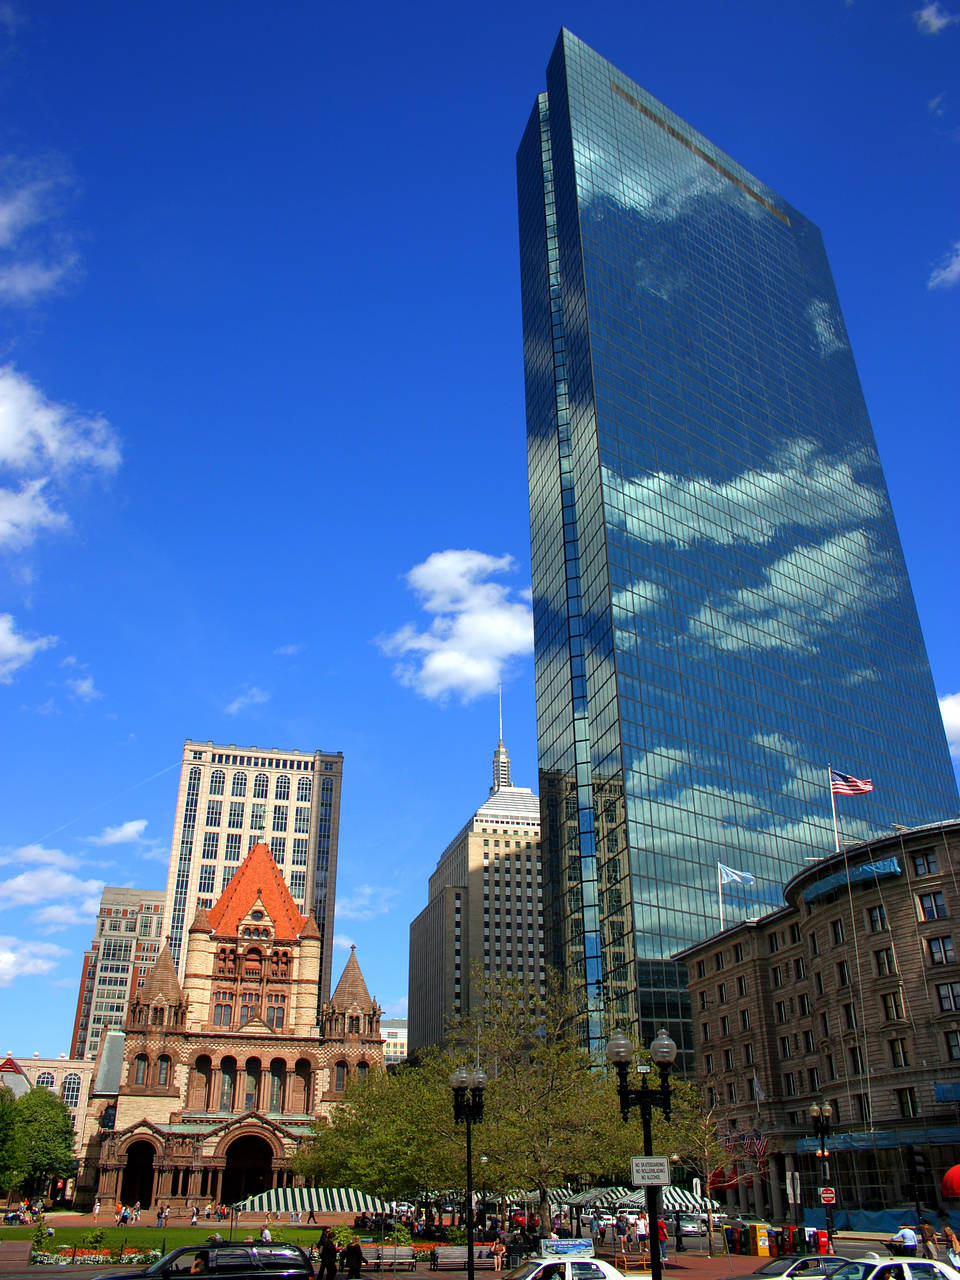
pixel 730 876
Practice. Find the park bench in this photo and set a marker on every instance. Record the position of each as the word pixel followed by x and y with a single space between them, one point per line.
pixel 371 1256
pixel 453 1257
pixel 397 1257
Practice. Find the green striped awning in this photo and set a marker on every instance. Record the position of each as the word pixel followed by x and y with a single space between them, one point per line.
pixel 319 1199
pixel 672 1200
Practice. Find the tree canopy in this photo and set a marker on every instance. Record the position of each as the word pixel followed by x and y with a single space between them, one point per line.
pixel 36 1140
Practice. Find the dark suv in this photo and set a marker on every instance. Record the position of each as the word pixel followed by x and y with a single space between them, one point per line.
pixel 235 1261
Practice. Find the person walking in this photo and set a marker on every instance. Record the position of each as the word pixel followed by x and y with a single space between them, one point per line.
pixel 928 1239
pixel 643 1234
pixel 353 1258
pixel 328 1256
pixel 96 1208
pixel 663 1235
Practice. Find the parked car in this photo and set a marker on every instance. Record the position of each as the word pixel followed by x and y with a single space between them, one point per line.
pixel 809 1266
pixel 238 1261
pixel 896 1269
pixel 691 1224
pixel 565 1269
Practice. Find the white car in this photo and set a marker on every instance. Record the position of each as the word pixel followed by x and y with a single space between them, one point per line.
pixel 567 1269
pixel 896 1269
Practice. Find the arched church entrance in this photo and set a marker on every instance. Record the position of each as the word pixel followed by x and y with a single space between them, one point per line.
pixel 137 1181
pixel 249 1169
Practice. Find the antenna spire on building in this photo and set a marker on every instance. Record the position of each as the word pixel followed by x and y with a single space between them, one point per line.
pixel 501 760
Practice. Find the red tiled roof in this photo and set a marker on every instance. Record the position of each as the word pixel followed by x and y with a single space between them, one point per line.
pixel 257 877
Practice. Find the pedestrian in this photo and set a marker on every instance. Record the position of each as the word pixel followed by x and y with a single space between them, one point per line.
pixel 643 1234
pixel 353 1258
pixel 124 1216
pixel 311 1217
pixel 136 1212
pixel 928 1237
pixel 662 1237
pixel 118 1211
pixel 498 1250
pixel 265 1235
pixel 906 1241
pixel 96 1207
pixel 620 1231
pixel 328 1255
pixel 194 1216
pixel 953 1244
pixel 166 1214
pixel 159 1215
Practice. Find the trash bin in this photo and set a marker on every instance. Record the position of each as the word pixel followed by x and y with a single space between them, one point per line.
pixel 774 1238
pixel 728 1232
pixel 823 1242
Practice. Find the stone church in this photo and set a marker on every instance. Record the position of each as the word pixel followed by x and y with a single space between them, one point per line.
pixel 220 1079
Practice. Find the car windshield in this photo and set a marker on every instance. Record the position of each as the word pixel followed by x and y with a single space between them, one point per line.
pixel 170 1261
pixel 524 1272
pixel 775 1267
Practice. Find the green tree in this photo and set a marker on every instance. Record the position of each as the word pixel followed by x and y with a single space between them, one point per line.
pixel 43 1141
pixel 8 1130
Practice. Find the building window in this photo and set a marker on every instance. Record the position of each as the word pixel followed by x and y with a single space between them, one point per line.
pixel 741 986
pixel 799 969
pixel 721 992
pixel 340 1082
pixel 780 1011
pixel 877 918
pixel 238 787
pixel 814 945
pixel 304 789
pixel 738 952
pixel 789 1085
pixel 301 821
pixel 818 982
pixel 261 787
pixel 932 906
pixel 207 874
pixel 278 847
pixel 282 791
pixel 813 1076
pixel 784 1046
pixel 831 1066
pixel 70 1089
pixel 163 1071
pixel 731 1092
pixel 843 974
pixel 140 1068
pixel 211 842
pixel 776 976
pixel 279 817
pixel 728 1059
pixel 948 993
pixel 214 812
pixel 855 1059
pixel 883 959
pixel 235 817
pixel 217 780
pixel 892 1006
pixel 907 1102
pixel 718 961
pixel 748 1054
pixel 836 929
pixel 724 1026
pixel 803 1001
pixel 941 950
pixel 700 964
pixel 849 1015
pixel 773 942
pixel 705 1032
pixel 862 1104
pixel 925 863
pixel 953 1045
pixel 898 1053
pixel 232 851
pixel 744 1019
pixel 708 1064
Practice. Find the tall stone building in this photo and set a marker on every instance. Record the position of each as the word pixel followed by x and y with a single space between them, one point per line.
pixel 847 995
pixel 126 942
pixel 721 605
pixel 221 1075
pixel 484 909
pixel 231 797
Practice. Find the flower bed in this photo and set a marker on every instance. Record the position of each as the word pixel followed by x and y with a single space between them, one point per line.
pixel 99 1257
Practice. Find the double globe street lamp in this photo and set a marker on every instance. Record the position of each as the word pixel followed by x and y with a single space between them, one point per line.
pixel 468 1087
pixel 821 1114
pixel 663 1050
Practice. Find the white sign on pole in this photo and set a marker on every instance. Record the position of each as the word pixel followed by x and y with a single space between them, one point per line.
pixel 650 1171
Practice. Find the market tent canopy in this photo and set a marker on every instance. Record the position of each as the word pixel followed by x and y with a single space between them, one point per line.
pixel 672 1200
pixel 319 1199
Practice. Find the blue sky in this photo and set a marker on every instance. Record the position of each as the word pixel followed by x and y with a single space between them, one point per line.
pixel 262 460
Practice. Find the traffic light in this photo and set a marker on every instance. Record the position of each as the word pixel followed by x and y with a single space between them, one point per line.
pixel 917 1164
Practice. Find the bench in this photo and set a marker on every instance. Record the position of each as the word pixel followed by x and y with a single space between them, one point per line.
pixel 371 1256
pixel 394 1257
pixel 453 1257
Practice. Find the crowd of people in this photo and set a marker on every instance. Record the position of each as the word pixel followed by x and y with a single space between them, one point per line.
pixel 631 1233
pixel 124 1214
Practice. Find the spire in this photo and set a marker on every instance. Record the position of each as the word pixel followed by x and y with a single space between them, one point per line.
pixel 351 989
pixel 501 760
pixel 162 981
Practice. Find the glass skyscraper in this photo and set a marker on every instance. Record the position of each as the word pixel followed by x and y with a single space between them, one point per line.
pixel 720 599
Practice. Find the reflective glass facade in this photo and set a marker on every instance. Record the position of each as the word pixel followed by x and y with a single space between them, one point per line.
pixel 720 599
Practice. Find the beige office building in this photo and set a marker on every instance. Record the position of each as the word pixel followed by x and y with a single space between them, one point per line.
pixel 484 909
pixel 127 939
pixel 230 798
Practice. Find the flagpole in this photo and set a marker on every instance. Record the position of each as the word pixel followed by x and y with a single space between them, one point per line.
pixel 720 894
pixel 833 805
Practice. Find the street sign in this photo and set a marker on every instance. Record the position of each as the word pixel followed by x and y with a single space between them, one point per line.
pixel 650 1171
pixel 828 1195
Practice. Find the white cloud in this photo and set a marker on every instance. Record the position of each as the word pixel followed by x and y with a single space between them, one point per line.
pixel 84 689
pixel 250 697
pixel 63 915
pixel 37 855
pixel 126 833
pixel 36 255
pixel 26 281
pixel 30 888
pixel 15 649
pixel 287 650
pixel 477 627
pixel 44 444
pixel 19 958
pixel 365 902
pixel 342 943
pixel 935 105
pixel 827 326
pixel 395 1008
pixel 751 508
pixel 933 18
pixel 950 710
pixel 948 273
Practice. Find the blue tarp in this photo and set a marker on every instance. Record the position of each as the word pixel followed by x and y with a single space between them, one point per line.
pixel 882 870
pixel 937 1136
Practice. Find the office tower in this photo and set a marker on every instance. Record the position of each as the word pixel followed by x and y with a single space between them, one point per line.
pixel 126 941
pixel 483 910
pixel 721 606
pixel 394 1032
pixel 229 798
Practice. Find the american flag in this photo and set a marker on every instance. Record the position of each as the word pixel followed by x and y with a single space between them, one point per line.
pixel 843 784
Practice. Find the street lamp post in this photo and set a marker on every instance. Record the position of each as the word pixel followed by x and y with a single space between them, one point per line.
pixel 821 1115
pixel 664 1054
pixel 468 1087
